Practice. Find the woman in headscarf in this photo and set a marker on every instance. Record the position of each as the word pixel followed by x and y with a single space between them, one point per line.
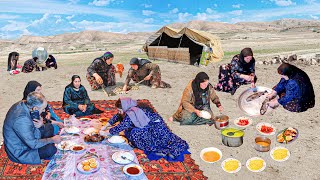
pixel 102 72
pixel 30 65
pixel 76 100
pixel 51 62
pixel 13 59
pixel 195 98
pixel 143 69
pixel 240 71
pixel 294 89
pixel 49 115
pixel 146 130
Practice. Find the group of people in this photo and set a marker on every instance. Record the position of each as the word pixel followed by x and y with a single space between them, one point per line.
pixel 29 138
pixel 29 65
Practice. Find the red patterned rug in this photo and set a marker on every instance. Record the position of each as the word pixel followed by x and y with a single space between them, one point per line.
pixel 155 170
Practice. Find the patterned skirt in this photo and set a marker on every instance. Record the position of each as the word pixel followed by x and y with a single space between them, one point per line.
pixel 154 82
pixel 109 80
pixel 227 82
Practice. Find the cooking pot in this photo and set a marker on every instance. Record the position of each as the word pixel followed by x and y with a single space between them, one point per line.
pixel 221 121
pixel 235 140
pixel 262 144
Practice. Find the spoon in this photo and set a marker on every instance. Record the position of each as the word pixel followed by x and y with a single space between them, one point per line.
pixel 232 133
pixel 125 158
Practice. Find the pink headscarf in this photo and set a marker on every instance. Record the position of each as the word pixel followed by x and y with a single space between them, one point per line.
pixel 137 116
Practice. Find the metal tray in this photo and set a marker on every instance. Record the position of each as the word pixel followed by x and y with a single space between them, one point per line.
pixel 252 108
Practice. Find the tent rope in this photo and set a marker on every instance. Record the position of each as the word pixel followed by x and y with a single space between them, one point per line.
pixel 158 45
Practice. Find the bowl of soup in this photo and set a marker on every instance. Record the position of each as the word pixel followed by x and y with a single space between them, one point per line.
pixel 133 170
pixel 262 144
pixel 211 155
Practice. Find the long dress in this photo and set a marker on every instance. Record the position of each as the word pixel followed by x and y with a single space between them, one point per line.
pixel 153 139
pixel 229 75
pixel 145 70
pixel 105 71
pixel 72 99
pixel 295 96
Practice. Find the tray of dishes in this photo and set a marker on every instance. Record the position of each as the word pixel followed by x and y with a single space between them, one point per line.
pixel 250 101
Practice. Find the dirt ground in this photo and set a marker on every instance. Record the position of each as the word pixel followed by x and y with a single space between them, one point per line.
pixel 305 156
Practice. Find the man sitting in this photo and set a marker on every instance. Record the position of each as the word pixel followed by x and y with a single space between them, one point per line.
pixel 26 139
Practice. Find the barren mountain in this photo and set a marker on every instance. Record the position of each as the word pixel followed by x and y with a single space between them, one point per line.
pixel 278 25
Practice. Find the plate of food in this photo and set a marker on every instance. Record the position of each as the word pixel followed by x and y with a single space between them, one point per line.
pixel 77 148
pixel 116 139
pixel 231 165
pixel 85 119
pixel 287 135
pixel 242 122
pixel 65 145
pixel 133 170
pixel 266 128
pixel 88 166
pixel 280 154
pixel 94 138
pixel 210 154
pixel 71 130
pixel 90 131
pixel 256 164
pixel 122 157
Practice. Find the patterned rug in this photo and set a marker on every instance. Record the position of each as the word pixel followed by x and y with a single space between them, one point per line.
pixel 155 170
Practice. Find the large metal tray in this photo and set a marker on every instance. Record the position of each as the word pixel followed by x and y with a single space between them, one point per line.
pixel 253 107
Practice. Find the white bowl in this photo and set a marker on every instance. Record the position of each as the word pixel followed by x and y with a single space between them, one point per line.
pixel 256 158
pixel 238 119
pixel 116 139
pixel 125 168
pixel 72 130
pixel 279 147
pixel 235 171
pixel 210 149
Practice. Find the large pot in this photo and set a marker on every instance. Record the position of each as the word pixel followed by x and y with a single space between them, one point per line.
pixel 235 140
pixel 221 122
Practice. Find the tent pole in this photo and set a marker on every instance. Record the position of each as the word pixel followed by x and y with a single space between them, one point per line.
pixel 178 47
pixel 158 45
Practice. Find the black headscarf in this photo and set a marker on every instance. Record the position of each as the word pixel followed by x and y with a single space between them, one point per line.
pixel 12 57
pixel 197 90
pixel 244 53
pixel 139 62
pixel 31 86
pixel 72 79
pixel 302 80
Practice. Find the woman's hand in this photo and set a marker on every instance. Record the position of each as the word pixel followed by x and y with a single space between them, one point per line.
pixel 98 78
pixel 84 108
pixel 148 77
pixel 198 113
pixel 220 108
pixel 125 88
pixel 80 107
pixel 273 104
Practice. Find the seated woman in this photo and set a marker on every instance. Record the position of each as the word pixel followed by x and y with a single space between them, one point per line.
pixel 143 69
pixel 76 100
pixel 240 71
pixel 294 89
pixel 30 65
pixel 13 59
pixel 49 116
pixel 51 62
pixel 147 131
pixel 102 72
pixel 196 97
